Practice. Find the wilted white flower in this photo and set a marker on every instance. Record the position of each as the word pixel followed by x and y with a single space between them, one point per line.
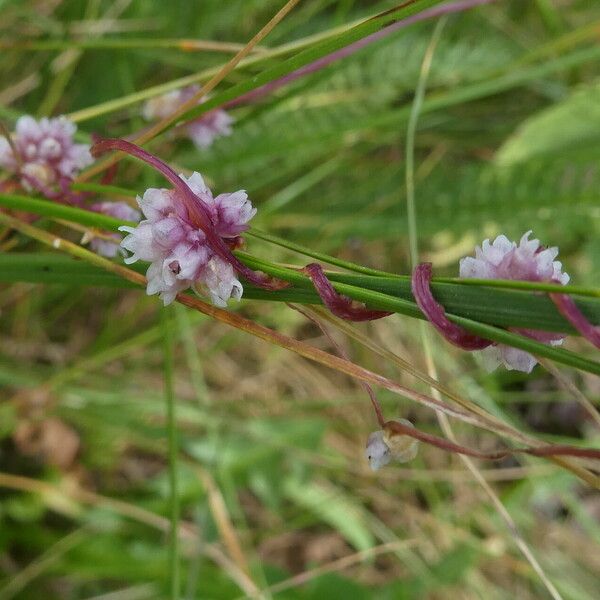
pixel 180 255
pixel 202 131
pixel 383 446
pixel 43 153
pixel 527 261
pixel 377 451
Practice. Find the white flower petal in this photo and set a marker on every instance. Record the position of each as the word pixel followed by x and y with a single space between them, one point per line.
pixel 219 279
pixel 156 204
pixel 516 359
pixel 196 183
pixel 377 452
pixel 141 243
pixel 473 268
pixel 491 358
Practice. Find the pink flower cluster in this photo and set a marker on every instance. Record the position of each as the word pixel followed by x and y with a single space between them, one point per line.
pixel 202 131
pixel 503 259
pixel 178 251
pixel 42 153
pixel 527 261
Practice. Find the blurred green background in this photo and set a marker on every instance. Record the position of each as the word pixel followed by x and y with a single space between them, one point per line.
pixel 277 499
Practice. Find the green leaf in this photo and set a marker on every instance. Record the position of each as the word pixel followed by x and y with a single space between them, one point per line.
pixel 332 506
pixel 570 125
pixel 8 419
pixel 334 587
pixel 451 569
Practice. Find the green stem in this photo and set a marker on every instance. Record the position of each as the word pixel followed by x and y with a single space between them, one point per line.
pixel 410 142
pixel 530 286
pixel 173 451
pixel 306 57
pixel 187 45
pixel 266 56
pixel 338 262
pixel 379 300
pixel 53 210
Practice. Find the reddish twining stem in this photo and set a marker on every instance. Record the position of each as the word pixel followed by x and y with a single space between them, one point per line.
pixel 341 306
pixel 7 186
pixel 372 397
pixel 435 313
pixel 570 311
pixel 444 444
pixel 197 212
pixel 74 198
pixel 109 175
pixel 111 172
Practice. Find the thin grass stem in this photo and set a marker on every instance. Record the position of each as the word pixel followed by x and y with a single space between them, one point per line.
pixel 167 336
pixel 425 331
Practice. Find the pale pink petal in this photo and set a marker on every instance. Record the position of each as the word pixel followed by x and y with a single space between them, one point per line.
pixel 219 279
pixel 527 261
pixel 233 211
pixel 473 268
pixel 141 243
pixel 46 151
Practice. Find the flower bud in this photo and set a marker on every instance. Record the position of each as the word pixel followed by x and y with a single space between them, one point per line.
pixel 385 446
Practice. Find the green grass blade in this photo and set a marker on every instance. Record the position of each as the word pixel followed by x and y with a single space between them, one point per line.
pixel 478 311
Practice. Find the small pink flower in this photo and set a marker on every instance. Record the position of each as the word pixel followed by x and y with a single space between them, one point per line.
pixel 503 259
pixel 179 253
pixel 171 214
pixel 46 154
pixel 219 280
pixel 202 131
pixel 527 261
pixel 161 107
pixel 233 211
pixel 210 126
pixel 230 213
pixel 119 210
